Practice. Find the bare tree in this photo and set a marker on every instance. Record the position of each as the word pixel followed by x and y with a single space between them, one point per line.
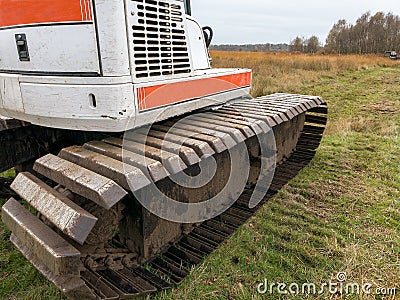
pixel 297 45
pixel 338 37
pixel 312 44
pixel 371 34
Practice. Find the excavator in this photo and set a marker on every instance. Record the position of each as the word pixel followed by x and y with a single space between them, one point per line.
pixel 135 158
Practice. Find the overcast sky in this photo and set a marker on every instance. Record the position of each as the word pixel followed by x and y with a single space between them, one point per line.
pixel 267 21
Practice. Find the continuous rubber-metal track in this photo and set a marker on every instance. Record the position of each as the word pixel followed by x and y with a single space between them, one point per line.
pixel 100 176
pixel 21 142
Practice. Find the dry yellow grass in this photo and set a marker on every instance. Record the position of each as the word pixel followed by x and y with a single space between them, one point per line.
pixel 352 187
pixel 286 72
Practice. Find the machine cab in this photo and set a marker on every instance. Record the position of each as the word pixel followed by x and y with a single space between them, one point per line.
pixel 95 65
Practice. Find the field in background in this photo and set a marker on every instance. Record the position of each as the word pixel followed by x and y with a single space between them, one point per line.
pixel 342 214
pixel 287 72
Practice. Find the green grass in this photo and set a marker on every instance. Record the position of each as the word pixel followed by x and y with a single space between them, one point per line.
pixel 341 214
pixel 8 174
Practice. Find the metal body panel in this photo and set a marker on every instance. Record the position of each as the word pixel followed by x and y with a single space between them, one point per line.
pixel 3 113
pixel 210 83
pixel 197 45
pixel 110 20
pixel 10 94
pixel 52 49
pixel 28 12
pixel 61 102
pixel 129 64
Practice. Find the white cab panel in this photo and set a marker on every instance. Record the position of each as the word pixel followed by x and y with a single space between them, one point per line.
pixel 67 102
pixel 63 48
pixel 197 45
pixel 150 56
pixel 72 106
pixel 112 37
pixel 10 94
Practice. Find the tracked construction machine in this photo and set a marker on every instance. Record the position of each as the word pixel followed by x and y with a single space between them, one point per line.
pixel 111 114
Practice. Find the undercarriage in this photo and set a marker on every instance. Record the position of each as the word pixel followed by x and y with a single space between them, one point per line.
pixel 92 234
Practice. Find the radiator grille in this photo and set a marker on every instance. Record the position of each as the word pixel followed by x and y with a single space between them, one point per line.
pixel 160 46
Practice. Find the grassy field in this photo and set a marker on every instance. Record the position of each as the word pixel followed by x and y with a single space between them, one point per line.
pixel 341 214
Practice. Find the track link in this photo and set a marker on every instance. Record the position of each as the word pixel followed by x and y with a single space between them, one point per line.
pixel 96 172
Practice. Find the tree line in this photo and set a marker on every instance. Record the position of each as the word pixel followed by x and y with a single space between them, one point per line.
pixel 301 44
pixel 252 47
pixel 370 34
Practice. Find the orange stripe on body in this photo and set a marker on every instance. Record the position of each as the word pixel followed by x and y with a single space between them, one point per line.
pixel 90 10
pixel 25 12
pixel 165 94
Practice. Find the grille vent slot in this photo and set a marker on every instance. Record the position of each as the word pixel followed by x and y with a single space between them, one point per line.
pixel 160 45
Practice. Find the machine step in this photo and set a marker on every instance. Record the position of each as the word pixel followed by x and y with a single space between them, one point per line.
pixel 148 165
pixel 188 155
pixel 101 190
pixel 67 216
pixel 204 128
pixel 203 144
pixel 173 163
pixel 247 129
pixel 60 257
pixel 206 124
pixel 108 167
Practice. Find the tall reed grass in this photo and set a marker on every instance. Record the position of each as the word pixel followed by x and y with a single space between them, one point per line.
pixel 287 72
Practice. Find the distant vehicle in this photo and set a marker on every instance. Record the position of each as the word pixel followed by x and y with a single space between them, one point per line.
pixel 392 55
